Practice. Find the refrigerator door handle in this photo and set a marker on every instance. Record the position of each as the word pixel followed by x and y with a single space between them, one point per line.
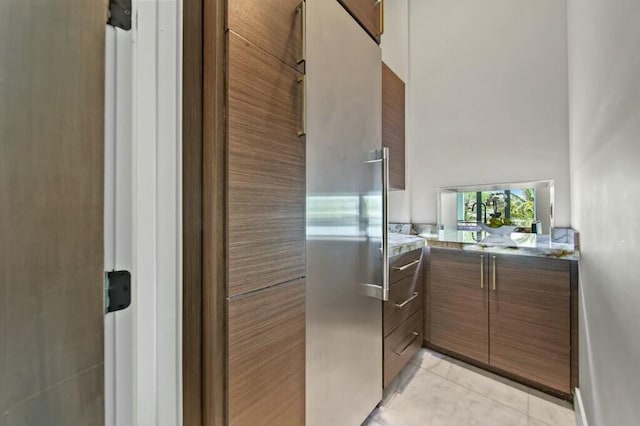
pixel 382 291
pixel 385 224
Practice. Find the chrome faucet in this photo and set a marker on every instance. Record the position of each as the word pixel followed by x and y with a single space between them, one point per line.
pixel 485 211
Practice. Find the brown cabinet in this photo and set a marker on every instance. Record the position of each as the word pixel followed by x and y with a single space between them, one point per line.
pixel 266 170
pixel 393 125
pixel 368 13
pixel 458 303
pixel 245 189
pixel 266 357
pixel 511 313
pixel 530 316
pixel 275 26
pixel 402 314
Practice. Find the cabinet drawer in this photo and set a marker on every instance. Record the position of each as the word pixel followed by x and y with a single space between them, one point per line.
pixel 401 345
pixel 266 356
pixel 404 265
pixel 405 298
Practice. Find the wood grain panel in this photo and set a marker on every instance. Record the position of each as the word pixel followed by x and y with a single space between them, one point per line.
pixel 266 376
pixel 266 170
pixel 52 126
pixel 367 14
pixel 426 297
pixel 214 274
pixel 393 125
pixel 192 116
pixel 409 288
pixel 398 262
pixel 457 303
pixel 401 345
pixel 530 317
pixel 575 326
pixel 275 26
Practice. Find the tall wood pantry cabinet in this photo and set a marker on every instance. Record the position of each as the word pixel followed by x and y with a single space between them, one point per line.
pixel 253 190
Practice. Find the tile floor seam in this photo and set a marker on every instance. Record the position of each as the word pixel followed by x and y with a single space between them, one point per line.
pixel 481 394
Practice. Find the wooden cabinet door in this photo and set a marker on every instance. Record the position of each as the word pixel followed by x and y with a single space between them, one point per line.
pixel 275 26
pixel 458 303
pixel 266 358
pixel 266 170
pixel 530 316
pixel 368 13
pixel 393 125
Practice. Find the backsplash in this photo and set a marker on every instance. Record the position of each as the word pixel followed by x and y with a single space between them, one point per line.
pixel 566 236
pixel 413 228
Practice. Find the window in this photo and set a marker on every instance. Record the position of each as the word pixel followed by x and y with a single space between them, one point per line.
pixel 519 205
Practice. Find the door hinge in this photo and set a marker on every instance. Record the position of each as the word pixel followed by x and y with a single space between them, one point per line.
pixel 120 14
pixel 117 291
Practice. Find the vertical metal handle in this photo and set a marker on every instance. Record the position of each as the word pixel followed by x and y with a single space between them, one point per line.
pixel 303 130
pixel 482 271
pixel 302 10
pixel 381 16
pixel 385 223
pixel 493 278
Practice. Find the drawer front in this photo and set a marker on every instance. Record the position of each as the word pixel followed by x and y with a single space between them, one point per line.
pixel 404 265
pixel 401 345
pixel 405 298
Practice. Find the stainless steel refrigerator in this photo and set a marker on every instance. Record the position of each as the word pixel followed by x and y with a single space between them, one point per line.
pixel 346 218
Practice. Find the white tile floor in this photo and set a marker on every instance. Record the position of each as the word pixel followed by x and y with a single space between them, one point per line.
pixel 435 390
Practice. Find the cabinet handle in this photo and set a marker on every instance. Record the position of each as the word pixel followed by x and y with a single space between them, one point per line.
pixel 381 16
pixel 403 304
pixel 303 81
pixel 413 339
pixel 482 271
pixel 302 10
pixel 407 266
pixel 493 278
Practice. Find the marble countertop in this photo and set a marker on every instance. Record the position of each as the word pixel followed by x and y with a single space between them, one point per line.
pixel 521 244
pixel 402 243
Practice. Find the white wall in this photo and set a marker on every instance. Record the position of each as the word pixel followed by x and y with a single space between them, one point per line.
pixel 488 97
pixel 604 54
pixel 395 53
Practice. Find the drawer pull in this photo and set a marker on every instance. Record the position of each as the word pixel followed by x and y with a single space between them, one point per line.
pixel 406 347
pixel 302 10
pixel 407 266
pixel 494 273
pixel 303 129
pixel 403 304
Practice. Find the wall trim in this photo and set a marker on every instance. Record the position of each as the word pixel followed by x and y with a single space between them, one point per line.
pixel 581 416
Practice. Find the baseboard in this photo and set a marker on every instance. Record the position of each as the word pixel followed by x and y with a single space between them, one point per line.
pixel 581 417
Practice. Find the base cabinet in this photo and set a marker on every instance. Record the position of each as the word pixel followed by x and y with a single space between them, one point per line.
pixel 403 326
pixel 459 302
pixel 530 317
pixel 511 313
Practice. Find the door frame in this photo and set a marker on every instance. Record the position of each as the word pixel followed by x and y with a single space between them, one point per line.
pixel 151 177
pixel 204 210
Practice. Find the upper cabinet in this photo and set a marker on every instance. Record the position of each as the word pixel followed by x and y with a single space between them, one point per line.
pixel 368 13
pixel 275 26
pixel 393 125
